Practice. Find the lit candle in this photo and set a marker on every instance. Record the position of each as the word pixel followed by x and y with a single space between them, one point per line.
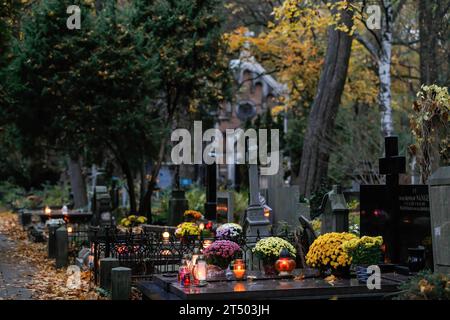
pixel 166 236
pixel 239 269
pixel 200 271
pixel 206 243
pixel 69 229
pixel 47 210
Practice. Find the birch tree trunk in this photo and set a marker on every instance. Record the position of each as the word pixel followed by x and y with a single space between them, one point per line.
pixel 384 70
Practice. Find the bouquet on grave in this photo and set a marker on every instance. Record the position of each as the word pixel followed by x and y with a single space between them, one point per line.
pixel 221 253
pixel 364 251
pixel 187 229
pixel 133 221
pixel 192 215
pixel 229 231
pixel 327 251
pixel 268 249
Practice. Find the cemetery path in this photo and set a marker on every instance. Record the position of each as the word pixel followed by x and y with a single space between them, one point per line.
pixel 15 274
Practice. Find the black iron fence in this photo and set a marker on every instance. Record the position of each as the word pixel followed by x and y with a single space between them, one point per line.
pixel 156 249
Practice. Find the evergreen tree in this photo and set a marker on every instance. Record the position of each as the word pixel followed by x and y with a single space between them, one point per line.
pixel 185 36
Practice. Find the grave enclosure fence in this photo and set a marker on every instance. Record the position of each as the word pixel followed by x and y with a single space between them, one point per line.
pixel 148 252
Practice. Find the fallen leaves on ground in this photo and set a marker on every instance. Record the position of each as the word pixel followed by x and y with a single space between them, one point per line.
pixel 330 279
pixel 47 282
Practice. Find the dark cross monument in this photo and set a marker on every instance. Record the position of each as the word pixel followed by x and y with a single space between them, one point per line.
pixel 400 213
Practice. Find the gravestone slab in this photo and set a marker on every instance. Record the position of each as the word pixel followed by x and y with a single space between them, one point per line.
pixel 120 283
pixel 177 205
pixel 62 247
pixel 335 212
pixel 257 225
pixel 284 200
pixel 106 265
pixel 439 188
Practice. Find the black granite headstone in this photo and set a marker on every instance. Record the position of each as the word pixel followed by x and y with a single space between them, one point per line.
pixel 399 213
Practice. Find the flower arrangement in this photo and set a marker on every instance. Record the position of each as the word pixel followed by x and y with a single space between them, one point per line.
pixel 364 251
pixel 229 231
pixel 187 229
pixel 430 127
pixel 133 221
pixel 221 253
pixel 327 251
pixel 426 286
pixel 268 249
pixel 193 214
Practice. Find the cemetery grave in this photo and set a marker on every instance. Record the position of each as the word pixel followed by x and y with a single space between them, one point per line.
pixel 224 150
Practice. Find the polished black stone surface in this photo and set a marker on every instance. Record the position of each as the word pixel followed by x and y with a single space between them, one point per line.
pixel 308 287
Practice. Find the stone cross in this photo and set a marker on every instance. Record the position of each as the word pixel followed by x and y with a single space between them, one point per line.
pixel 391 166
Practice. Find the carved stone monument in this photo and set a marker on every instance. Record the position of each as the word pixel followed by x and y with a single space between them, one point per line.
pixel 256 223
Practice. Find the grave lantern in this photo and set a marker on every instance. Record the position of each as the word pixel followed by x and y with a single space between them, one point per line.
pixel 166 236
pixel 285 264
pixel 239 269
pixel 206 243
pixel 47 210
pixel 200 271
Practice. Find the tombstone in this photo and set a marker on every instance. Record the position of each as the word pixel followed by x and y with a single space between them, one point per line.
pixel 334 211
pixel 225 207
pixel 62 247
pixel 52 226
pixel 257 225
pixel 177 205
pixel 120 283
pixel 25 217
pixel 284 201
pixel 439 189
pixel 399 213
pixel 101 206
pixel 106 265
pixel 82 260
pixel 211 192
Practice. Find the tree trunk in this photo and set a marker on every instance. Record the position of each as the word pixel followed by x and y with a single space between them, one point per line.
pixel 130 186
pixel 77 183
pixel 316 151
pixel 145 207
pixel 384 70
pixel 433 26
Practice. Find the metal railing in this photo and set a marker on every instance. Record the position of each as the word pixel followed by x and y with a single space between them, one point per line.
pixel 153 252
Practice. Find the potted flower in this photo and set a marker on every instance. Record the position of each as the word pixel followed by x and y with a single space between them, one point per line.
pixel 133 222
pixel 364 252
pixel 268 251
pixel 187 231
pixel 229 231
pixel 192 215
pixel 327 253
pixel 221 252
